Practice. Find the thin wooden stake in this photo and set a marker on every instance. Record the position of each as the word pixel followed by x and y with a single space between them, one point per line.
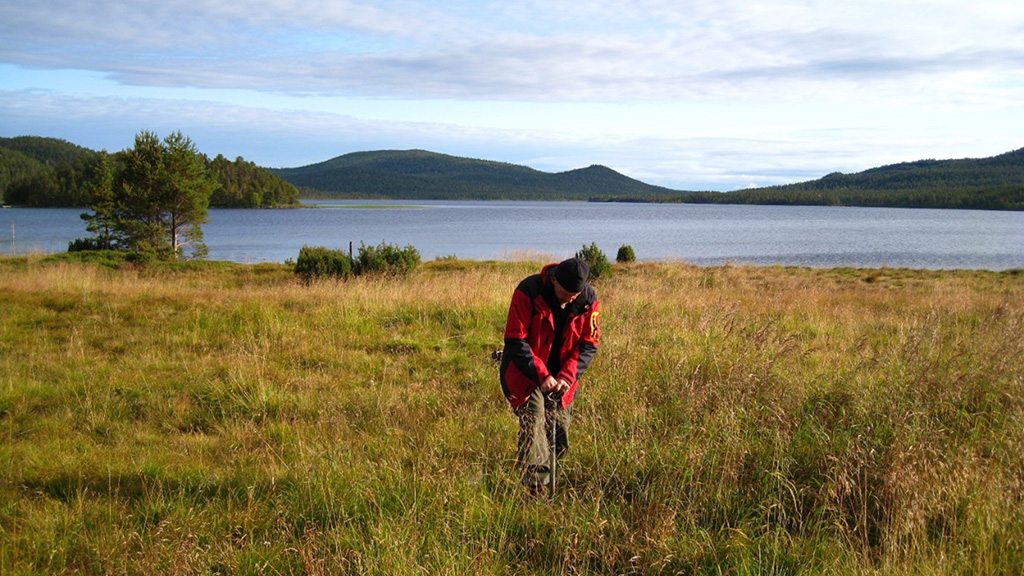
pixel 554 449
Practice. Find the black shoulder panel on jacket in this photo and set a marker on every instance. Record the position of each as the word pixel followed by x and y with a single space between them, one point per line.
pixel 531 286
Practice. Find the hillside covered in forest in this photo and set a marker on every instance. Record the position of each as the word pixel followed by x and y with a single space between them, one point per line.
pixel 37 171
pixel 48 172
pixel 995 183
pixel 420 174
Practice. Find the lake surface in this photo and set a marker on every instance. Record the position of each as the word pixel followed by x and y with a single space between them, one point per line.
pixel 701 234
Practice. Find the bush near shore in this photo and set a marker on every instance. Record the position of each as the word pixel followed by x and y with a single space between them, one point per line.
pixel 318 262
pixel 233 419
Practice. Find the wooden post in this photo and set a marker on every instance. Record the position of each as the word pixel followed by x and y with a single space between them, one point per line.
pixel 554 448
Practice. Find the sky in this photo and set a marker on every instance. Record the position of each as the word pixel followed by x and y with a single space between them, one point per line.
pixel 687 94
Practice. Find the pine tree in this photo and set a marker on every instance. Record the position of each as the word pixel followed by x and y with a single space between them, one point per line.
pixel 102 223
pixel 156 202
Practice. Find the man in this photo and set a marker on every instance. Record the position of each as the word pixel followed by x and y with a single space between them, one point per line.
pixel 551 335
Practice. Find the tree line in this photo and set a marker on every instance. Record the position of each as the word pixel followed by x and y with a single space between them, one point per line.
pixel 44 172
pixel 48 172
pixel 1007 197
pixel 419 174
pixel 149 201
pixel 995 183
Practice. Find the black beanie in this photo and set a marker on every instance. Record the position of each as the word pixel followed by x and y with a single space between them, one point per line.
pixel 572 274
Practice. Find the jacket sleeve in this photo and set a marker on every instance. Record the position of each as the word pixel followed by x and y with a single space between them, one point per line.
pixel 586 348
pixel 517 329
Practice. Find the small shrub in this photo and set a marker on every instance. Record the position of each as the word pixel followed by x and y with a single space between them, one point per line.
pixel 107 258
pixel 596 260
pixel 625 255
pixel 386 259
pixel 85 245
pixel 319 262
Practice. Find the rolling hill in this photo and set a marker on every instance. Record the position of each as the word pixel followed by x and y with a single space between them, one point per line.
pixel 37 171
pixel 40 171
pixel 46 172
pixel 995 183
pixel 419 174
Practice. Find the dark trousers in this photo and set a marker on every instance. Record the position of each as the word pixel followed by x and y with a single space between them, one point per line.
pixel 536 417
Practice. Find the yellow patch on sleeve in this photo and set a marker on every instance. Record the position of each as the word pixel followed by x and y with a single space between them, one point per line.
pixel 595 326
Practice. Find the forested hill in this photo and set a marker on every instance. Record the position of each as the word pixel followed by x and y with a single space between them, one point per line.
pixel 419 174
pixel 38 171
pixel 44 172
pixel 995 183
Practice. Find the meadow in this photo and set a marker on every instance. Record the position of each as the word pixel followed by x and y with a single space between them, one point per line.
pixel 220 418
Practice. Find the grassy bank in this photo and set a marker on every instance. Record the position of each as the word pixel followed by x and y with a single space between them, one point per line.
pixel 231 420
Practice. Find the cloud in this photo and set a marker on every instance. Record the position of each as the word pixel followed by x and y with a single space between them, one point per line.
pixel 286 138
pixel 527 50
pixel 682 93
pixel 196 26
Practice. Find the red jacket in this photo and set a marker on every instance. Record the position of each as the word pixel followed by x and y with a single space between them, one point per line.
pixel 530 334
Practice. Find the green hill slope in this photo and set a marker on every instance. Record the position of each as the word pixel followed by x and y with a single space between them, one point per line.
pixel 421 174
pixel 49 151
pixel 995 183
pixel 46 172
pixel 37 171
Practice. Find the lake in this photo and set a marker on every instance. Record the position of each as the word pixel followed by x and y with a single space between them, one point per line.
pixel 705 235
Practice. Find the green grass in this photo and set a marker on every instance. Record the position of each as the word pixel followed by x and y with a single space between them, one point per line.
pixel 230 419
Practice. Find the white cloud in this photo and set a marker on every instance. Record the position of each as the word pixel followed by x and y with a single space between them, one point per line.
pixel 681 93
pixel 641 51
pixel 292 137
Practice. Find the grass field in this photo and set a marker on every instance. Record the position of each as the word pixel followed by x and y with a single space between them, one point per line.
pixel 229 419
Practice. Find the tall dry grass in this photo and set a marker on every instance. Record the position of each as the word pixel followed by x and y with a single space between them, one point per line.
pixel 230 419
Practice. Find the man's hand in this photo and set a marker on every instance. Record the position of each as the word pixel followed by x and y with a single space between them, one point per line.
pixel 551 384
